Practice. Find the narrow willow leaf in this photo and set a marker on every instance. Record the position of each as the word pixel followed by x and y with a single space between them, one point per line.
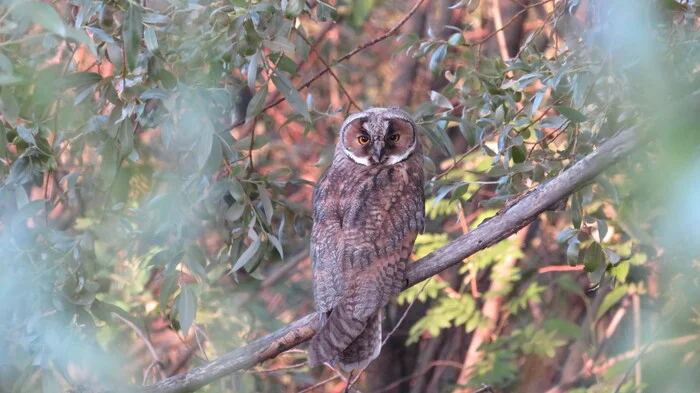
pixel 247 255
pixel 167 288
pixel 131 34
pixel 187 308
pixel 570 113
pixel 43 15
pixel 610 300
pixel 266 202
pixel 151 40
pixel 275 242
pixel 284 85
pixel 256 103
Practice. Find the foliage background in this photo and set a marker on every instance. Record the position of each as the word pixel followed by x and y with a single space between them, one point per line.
pixel 156 204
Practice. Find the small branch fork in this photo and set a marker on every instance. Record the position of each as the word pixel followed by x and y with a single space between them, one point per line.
pixel 490 232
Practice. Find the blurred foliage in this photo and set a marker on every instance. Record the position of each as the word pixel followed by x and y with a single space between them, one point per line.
pixel 142 177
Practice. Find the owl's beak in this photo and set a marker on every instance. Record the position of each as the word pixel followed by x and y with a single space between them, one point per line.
pixel 378 151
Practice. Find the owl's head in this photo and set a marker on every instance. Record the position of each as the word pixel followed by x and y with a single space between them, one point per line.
pixel 379 136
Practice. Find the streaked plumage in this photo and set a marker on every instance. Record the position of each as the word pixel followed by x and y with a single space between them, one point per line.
pixel 368 210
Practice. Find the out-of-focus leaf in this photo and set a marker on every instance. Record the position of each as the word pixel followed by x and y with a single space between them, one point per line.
pixel 44 15
pixel 437 59
pixel 9 79
pixel 266 202
pixel 566 234
pixel 565 328
pixel 284 85
pixel 205 143
pixel 324 11
pixel 131 34
pixel 275 242
pixel 572 251
pixel 186 308
pixel 149 36
pixel 247 255
pixel 610 300
pixel 101 34
pixel 570 113
pixel 440 100
pixel 594 257
pixel 256 103
pixel 167 288
pixel 293 7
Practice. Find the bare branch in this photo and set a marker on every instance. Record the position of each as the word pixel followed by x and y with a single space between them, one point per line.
pixel 490 232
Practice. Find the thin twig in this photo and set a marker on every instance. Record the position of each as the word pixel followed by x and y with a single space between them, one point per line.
pixel 143 337
pixel 325 381
pixel 328 67
pixel 275 369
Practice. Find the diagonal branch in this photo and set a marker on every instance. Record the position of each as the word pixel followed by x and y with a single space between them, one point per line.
pixel 490 232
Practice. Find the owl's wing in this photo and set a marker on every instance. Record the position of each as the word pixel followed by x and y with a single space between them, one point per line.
pixel 326 244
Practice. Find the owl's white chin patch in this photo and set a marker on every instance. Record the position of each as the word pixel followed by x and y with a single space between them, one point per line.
pixel 396 159
pixel 358 160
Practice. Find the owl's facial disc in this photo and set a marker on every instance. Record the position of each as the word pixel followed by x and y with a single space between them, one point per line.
pixel 377 140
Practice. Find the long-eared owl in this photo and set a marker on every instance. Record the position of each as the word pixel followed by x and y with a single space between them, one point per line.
pixel 368 210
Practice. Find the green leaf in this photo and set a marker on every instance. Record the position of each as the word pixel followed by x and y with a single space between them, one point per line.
pixel 519 154
pixel 563 327
pixel 81 37
pixel 131 34
pixel 234 212
pixel 293 8
pixel 101 34
pixel 247 255
pixel 186 308
pixel 620 271
pixel 325 11
pixel 205 143
pixel 9 79
pixel 266 202
pixel 436 60
pixel 256 103
pixel 43 15
pixel 167 288
pixel 196 260
pixel 80 80
pixel 440 100
pixel 284 85
pixel 360 11
pixel 570 113
pixel 275 242
pixel 149 36
pixel 572 252
pixel 610 300
pixel 594 257
pixel 566 234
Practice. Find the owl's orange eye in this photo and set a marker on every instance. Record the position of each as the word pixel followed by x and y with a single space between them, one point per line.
pixel 394 138
pixel 363 140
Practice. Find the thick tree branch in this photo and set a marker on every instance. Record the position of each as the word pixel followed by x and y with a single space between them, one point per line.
pixel 490 232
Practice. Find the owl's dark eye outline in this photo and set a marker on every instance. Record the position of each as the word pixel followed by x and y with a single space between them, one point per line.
pixel 363 139
pixel 394 138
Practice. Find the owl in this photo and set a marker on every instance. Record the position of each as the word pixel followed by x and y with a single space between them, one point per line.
pixel 367 211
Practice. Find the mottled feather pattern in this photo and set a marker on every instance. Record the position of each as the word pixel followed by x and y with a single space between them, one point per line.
pixel 366 219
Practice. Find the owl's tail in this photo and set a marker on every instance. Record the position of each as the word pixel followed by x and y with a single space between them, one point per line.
pixel 366 346
pixel 352 342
